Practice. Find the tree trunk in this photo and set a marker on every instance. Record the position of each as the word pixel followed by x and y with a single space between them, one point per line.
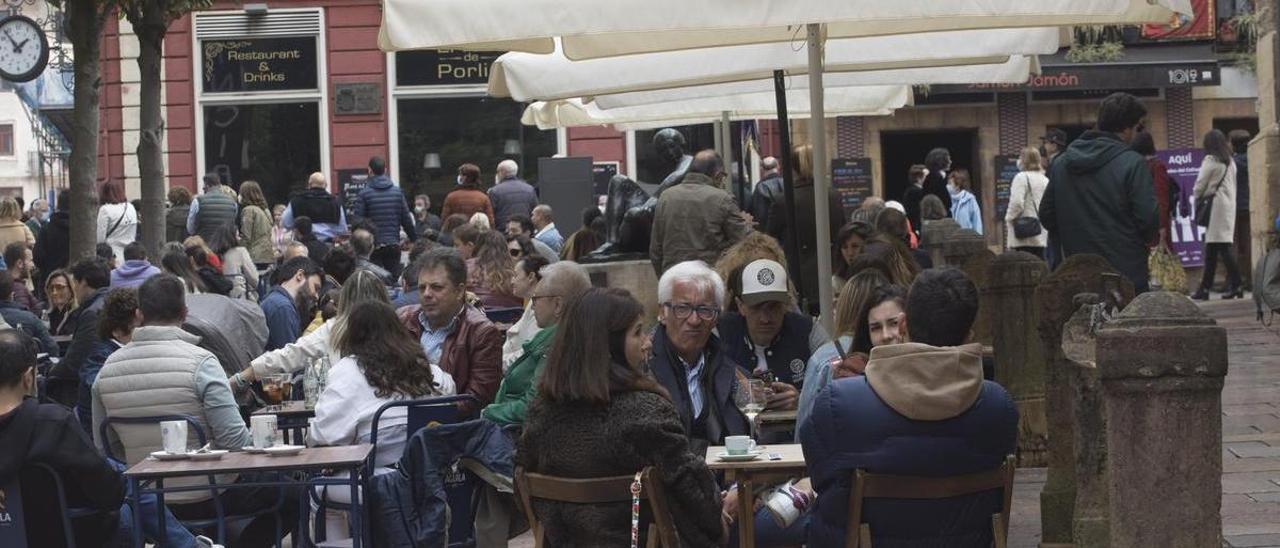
pixel 85 19
pixel 149 26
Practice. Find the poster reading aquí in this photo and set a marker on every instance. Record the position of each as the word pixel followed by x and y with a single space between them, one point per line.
pixel 1186 237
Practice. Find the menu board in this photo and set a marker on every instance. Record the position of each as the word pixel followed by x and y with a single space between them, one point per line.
pixel 1006 170
pixel 852 181
pixel 350 183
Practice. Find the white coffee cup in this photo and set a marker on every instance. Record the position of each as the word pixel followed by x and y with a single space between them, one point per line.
pixel 173 434
pixel 739 445
pixel 263 429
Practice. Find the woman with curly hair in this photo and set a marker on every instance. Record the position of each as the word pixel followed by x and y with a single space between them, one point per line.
pixel 116 321
pixel 256 224
pixel 382 363
pixel 490 271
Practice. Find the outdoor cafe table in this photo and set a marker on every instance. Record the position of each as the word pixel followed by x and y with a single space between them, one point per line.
pixel 292 417
pixel 756 472
pixel 350 458
pixel 777 421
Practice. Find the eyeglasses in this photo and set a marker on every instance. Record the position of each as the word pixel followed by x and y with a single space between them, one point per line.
pixel 682 311
pixel 536 297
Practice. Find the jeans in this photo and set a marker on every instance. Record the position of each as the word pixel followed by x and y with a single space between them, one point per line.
pixel 1228 253
pixel 261 531
pixel 175 535
pixel 769 533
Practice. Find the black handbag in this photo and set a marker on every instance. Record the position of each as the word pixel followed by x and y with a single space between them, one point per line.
pixel 1204 204
pixel 1025 226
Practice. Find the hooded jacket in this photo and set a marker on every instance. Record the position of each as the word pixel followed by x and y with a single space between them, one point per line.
pixel 49 434
pixel 132 273
pixel 1100 200
pixel 53 249
pixel 382 203
pixel 964 209
pixel 919 411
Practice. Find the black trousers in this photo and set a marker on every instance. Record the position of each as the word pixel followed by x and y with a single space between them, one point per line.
pixel 245 500
pixel 387 256
pixel 1228 253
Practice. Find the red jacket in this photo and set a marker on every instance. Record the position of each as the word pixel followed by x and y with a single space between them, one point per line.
pixel 468 202
pixel 1160 178
pixel 472 353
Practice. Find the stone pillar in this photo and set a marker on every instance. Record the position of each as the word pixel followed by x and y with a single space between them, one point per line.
pixel 1163 363
pixel 1264 149
pixel 933 234
pixel 1055 300
pixel 1010 298
pixel 634 276
pixel 1079 346
pixel 959 245
pixel 977 267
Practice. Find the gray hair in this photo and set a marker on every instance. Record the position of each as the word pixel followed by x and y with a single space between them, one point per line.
pixel 695 272
pixel 769 163
pixel 508 168
pixel 569 279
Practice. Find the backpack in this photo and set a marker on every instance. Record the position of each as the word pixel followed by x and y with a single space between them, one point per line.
pixel 1266 285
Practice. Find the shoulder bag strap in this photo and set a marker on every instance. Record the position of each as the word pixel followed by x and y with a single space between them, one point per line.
pixel 119 220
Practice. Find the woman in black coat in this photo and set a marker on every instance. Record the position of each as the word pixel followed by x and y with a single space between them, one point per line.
pixel 939 163
pixel 598 414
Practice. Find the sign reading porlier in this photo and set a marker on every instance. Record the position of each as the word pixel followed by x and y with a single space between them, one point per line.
pixel 258 64
pixel 443 67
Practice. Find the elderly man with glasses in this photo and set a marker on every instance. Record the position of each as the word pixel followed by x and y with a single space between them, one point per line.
pixel 687 358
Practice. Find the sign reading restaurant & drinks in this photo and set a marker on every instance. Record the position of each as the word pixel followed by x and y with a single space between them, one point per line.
pixel 258 64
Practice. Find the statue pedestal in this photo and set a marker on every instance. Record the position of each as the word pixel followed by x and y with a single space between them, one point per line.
pixel 635 276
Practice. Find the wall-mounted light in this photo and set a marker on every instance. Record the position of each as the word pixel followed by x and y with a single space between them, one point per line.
pixel 511 147
pixel 431 160
pixel 256 8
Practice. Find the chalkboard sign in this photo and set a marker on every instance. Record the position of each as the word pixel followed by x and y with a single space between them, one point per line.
pixel 350 183
pixel 434 67
pixel 601 172
pixel 564 184
pixel 851 179
pixel 1006 170
pixel 259 64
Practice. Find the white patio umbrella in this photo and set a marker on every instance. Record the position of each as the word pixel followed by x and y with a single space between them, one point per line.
pixel 589 29
pixel 847 101
pixel 524 76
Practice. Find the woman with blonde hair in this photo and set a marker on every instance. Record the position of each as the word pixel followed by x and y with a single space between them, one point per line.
pixel 491 271
pixel 12 229
pixel 1025 194
pixel 256 224
pixel 840 357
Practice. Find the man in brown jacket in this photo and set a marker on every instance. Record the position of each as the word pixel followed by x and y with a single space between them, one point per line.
pixel 697 219
pixel 456 336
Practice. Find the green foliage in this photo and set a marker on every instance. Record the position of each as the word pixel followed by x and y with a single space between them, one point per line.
pixel 1246 27
pixel 1096 52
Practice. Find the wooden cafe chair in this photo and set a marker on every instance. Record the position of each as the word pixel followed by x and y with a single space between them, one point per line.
pixel 529 486
pixel 883 486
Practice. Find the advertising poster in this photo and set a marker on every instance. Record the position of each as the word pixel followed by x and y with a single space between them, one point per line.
pixel 1184 164
pixel 851 178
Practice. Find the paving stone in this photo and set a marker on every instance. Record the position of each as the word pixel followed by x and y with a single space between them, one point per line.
pixel 1253 449
pixel 1253 541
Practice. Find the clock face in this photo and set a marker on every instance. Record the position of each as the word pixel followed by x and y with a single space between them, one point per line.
pixel 24 51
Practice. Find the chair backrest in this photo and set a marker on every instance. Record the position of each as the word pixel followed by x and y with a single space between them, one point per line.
pixel 65 512
pixel 459 488
pixel 508 315
pixel 531 486
pixel 885 486
pixel 13 526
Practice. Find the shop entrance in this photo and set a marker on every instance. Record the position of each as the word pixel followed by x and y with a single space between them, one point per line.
pixel 901 149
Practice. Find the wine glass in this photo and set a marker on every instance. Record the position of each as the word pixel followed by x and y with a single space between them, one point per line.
pixel 750 398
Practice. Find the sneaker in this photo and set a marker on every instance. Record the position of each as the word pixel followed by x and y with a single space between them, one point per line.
pixel 206 542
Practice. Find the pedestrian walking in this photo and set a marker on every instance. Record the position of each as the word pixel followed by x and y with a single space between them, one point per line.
pixel 1216 189
pixel 1025 194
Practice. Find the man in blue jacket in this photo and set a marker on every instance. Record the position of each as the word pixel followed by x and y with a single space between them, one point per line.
pixel 382 203
pixel 921 409
pixel 298 276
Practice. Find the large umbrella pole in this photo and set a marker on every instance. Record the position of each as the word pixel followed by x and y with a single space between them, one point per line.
pixel 784 163
pixel 821 181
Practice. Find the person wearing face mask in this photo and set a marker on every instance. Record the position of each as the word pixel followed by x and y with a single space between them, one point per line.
pixel 964 205
pixel 467 199
pixel 696 219
pixel 1100 197
pixel 423 218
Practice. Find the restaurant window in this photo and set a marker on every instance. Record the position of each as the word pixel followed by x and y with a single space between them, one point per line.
pixel 259 98
pixel 6 139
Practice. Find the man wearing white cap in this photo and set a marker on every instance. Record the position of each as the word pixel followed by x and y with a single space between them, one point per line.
pixel 766 335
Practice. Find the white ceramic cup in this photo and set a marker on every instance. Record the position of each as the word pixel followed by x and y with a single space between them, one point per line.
pixel 173 434
pixel 739 445
pixel 263 429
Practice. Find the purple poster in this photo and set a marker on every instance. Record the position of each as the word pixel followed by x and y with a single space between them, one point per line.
pixel 1184 164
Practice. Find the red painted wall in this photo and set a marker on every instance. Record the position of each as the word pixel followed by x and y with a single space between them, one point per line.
pixel 603 144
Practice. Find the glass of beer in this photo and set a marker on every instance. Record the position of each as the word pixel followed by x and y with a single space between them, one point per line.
pixel 274 388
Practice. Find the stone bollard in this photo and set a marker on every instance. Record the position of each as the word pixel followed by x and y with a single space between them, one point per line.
pixel 1055 299
pixel 977 266
pixel 1163 363
pixel 959 245
pixel 1079 345
pixel 1010 297
pixel 933 234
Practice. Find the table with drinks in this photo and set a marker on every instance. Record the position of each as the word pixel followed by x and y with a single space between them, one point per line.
pixel 750 465
pixel 264 455
pixel 292 418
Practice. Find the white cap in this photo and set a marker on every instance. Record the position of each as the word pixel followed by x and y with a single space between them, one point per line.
pixel 894 204
pixel 764 280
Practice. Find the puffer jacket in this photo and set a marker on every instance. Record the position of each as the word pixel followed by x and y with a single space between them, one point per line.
pixel 255 233
pixel 918 411
pixel 409 506
pixel 694 220
pixel 382 203
pixel 511 197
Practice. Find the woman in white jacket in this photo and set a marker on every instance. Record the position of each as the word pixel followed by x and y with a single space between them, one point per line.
pixel 117 219
pixel 1217 178
pixel 319 344
pixel 1025 194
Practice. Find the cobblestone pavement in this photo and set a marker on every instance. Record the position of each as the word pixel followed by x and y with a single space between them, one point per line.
pixel 1251 440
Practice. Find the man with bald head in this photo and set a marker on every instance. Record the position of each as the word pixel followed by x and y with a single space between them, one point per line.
pixel 767 191
pixel 328 219
pixel 697 219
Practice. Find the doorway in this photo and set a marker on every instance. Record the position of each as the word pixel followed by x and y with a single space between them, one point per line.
pixel 902 149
